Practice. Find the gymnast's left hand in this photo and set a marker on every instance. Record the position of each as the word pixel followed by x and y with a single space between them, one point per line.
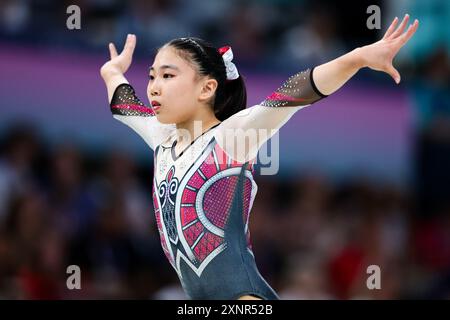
pixel 379 55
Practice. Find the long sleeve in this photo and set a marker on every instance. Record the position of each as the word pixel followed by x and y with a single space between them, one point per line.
pixel 127 108
pixel 245 132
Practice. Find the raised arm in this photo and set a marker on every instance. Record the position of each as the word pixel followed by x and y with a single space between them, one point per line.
pixel 124 103
pixel 378 56
pixel 113 70
pixel 241 135
pixel 306 88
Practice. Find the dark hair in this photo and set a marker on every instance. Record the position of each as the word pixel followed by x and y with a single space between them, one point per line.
pixel 231 95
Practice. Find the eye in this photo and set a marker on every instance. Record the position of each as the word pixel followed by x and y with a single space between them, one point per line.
pixel 167 75
pixel 151 77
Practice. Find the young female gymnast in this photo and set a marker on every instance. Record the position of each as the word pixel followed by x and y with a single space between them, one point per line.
pixel 203 187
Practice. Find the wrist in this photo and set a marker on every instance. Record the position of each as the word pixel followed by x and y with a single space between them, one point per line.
pixel 114 79
pixel 358 58
pixel 108 74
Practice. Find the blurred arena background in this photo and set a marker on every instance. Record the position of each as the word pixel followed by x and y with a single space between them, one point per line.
pixel 364 175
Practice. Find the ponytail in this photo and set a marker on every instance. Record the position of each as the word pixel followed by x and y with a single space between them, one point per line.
pixel 230 99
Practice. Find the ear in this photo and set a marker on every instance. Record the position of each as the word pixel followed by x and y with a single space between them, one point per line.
pixel 208 89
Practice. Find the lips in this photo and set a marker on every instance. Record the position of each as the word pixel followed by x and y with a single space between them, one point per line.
pixel 155 105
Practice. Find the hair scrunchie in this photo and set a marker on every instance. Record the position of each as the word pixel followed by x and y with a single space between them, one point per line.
pixel 227 56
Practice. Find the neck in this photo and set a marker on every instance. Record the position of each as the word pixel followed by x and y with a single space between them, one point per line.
pixel 195 127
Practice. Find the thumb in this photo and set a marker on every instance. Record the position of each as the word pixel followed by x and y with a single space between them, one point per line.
pixel 112 50
pixel 394 74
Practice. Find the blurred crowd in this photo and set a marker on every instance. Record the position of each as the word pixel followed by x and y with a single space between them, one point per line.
pixel 313 238
pixel 270 35
pixel 265 33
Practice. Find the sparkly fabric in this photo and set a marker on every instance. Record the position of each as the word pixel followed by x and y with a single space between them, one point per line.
pixel 203 222
pixel 298 90
pixel 211 190
pixel 203 197
pixel 207 243
pixel 218 199
pixel 202 201
pixel 126 103
pixel 193 232
pixel 188 216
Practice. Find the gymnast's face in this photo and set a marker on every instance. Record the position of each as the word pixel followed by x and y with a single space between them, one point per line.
pixel 175 84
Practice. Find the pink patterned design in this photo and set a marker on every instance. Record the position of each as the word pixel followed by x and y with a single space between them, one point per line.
pixel 196 181
pixel 206 245
pixel 218 199
pixel 160 229
pixel 170 174
pixel 191 234
pixel 208 168
pixel 277 96
pixel 188 196
pixel 222 161
pixel 134 107
pixel 188 214
pixel 203 231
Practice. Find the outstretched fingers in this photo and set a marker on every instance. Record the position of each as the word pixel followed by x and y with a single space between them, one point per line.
pixel 404 38
pixel 130 44
pixel 400 28
pixel 391 28
pixel 112 51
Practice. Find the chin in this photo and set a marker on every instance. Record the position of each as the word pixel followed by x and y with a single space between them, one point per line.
pixel 165 119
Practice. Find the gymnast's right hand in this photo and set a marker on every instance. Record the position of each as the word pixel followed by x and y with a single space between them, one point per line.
pixel 113 71
pixel 119 63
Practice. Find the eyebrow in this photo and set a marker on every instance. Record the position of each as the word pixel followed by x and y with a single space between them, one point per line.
pixel 166 66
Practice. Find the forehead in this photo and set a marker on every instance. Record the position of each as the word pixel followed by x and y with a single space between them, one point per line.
pixel 168 58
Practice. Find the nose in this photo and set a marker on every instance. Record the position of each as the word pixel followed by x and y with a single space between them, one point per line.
pixel 153 91
pixel 154 88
